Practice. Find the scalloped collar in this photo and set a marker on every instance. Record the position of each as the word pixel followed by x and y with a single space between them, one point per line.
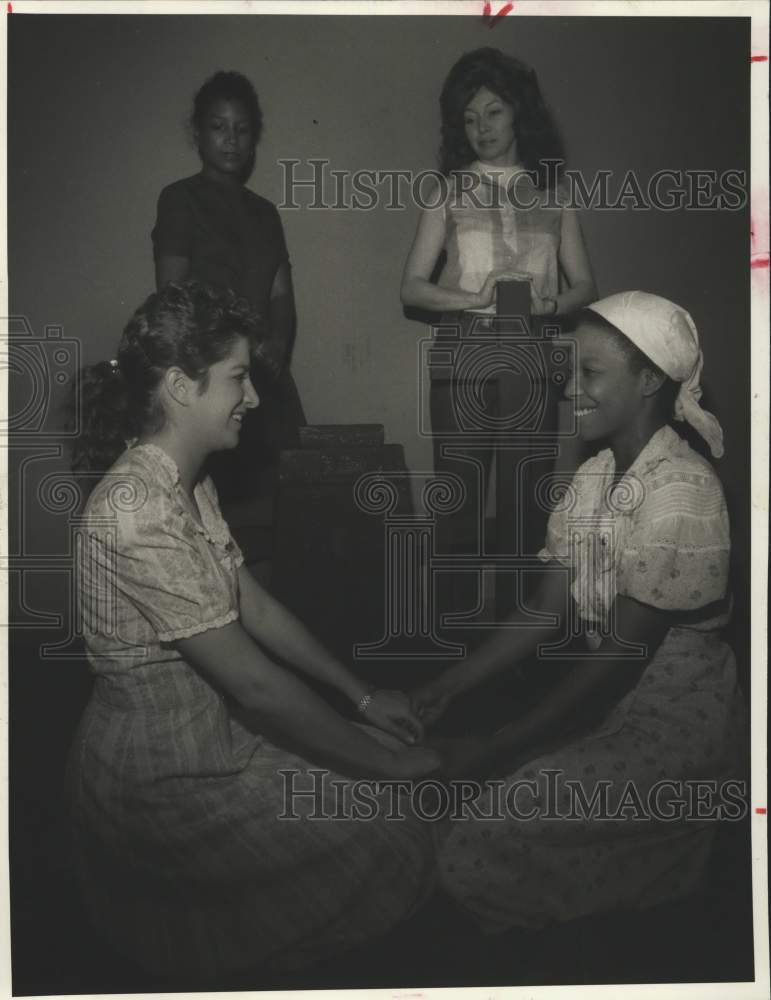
pixel 665 444
pixel 211 524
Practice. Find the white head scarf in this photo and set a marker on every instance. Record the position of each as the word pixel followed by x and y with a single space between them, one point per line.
pixel 666 334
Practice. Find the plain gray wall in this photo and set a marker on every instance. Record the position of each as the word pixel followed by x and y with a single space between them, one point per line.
pixel 97 109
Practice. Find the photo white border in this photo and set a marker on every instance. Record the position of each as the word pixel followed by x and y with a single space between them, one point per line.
pixel 758 11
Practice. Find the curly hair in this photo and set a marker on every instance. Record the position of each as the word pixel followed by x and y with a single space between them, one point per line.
pixel 517 85
pixel 190 326
pixel 228 86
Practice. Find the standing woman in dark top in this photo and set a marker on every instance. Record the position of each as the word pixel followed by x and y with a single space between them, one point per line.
pixel 212 228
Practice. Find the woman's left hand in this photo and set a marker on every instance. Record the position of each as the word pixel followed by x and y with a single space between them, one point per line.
pixel 538 306
pixel 391 712
pixel 541 307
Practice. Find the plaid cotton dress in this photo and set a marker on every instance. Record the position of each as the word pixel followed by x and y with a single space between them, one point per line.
pixel 185 864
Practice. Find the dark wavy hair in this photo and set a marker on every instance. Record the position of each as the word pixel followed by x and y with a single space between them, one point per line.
pixel 517 85
pixel 635 358
pixel 189 325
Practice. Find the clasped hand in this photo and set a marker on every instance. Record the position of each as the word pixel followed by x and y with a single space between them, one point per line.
pixel 391 711
pixel 431 701
pixel 405 718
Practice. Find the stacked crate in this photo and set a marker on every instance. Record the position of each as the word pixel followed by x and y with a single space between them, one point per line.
pixel 329 557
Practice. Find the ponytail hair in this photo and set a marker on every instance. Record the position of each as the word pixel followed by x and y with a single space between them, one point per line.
pixel 105 420
pixel 190 326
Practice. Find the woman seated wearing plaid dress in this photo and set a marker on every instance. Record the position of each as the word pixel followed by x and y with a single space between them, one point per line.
pixel 200 729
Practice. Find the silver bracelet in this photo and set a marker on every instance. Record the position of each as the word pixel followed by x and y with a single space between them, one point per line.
pixel 364 702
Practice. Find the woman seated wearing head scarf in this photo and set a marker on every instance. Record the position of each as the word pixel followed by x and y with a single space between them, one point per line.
pixel 606 771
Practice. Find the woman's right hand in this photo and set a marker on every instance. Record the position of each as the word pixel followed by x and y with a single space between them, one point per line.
pixel 486 293
pixel 392 712
pixel 431 701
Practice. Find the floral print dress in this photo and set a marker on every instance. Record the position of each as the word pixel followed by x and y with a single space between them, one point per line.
pixel 660 536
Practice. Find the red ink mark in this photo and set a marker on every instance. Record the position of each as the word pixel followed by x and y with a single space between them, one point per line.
pixel 759 262
pixel 752 58
pixel 10 8
pixel 493 19
pixel 761 812
pixel 501 14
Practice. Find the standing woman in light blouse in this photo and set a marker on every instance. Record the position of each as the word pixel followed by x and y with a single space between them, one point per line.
pixel 500 217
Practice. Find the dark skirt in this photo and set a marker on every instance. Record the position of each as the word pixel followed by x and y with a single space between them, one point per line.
pixel 476 418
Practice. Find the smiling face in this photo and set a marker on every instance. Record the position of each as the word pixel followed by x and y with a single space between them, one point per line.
pixel 609 394
pixel 225 140
pixel 219 408
pixel 489 124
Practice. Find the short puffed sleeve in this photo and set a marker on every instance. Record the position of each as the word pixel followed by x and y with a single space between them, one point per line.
pixel 172 234
pixel 676 554
pixel 570 498
pixel 556 545
pixel 178 579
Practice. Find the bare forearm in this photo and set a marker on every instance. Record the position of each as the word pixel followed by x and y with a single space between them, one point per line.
pixel 280 705
pixel 594 686
pixel 520 639
pixel 276 628
pixel 580 700
pixel 424 295
pixel 576 297
pixel 508 647
pixel 296 716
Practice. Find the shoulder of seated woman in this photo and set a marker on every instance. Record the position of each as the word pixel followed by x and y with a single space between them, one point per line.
pixel 133 488
pixel 688 469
